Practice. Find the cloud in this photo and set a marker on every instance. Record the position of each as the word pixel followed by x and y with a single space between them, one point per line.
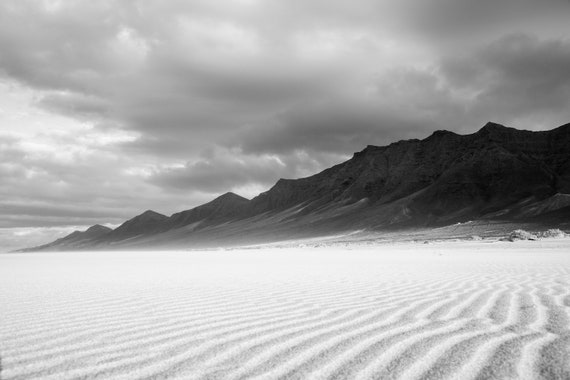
pixel 520 79
pixel 528 74
pixel 334 126
pixel 464 24
pixel 83 107
pixel 65 180
pixel 225 170
pixel 17 238
pixel 199 71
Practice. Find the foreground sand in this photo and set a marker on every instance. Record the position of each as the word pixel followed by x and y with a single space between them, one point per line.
pixel 411 311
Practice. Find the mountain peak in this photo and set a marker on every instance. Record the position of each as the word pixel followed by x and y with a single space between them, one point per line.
pixel 369 149
pixel 441 133
pixel 148 222
pixel 150 214
pixel 225 207
pixel 98 228
pixel 230 196
pixel 491 126
pixel 96 231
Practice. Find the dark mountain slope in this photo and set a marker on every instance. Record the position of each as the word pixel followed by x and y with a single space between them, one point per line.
pixel 96 231
pixel 447 176
pixel 146 223
pixel 75 240
pixel 222 209
pixel 496 168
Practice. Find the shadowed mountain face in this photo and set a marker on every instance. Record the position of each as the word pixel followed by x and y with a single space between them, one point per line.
pixel 224 208
pixel 146 223
pixel 495 173
pixel 93 232
pixel 446 176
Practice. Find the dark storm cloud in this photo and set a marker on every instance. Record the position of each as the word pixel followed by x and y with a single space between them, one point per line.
pixel 46 215
pixel 518 78
pixel 217 174
pixel 462 24
pixel 527 74
pixel 188 99
pixel 68 185
pixel 56 50
pixel 333 127
pixel 75 105
pixel 201 70
pixel 224 170
pixel 55 210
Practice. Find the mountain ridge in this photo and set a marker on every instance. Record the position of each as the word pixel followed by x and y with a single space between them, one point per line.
pixel 495 172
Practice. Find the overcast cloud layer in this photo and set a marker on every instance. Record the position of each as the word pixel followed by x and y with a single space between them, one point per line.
pixel 108 108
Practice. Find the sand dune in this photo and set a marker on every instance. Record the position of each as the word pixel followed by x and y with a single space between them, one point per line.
pixel 458 310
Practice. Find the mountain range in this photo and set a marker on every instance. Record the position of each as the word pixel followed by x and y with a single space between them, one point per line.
pixel 497 173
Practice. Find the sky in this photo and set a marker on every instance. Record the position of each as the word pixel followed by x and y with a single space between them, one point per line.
pixel 110 108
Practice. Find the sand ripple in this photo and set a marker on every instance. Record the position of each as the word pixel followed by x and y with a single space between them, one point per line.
pixel 444 311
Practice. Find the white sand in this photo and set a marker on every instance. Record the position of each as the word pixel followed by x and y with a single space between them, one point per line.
pixel 411 311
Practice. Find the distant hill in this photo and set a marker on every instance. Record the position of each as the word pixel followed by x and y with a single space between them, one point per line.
pixel 75 240
pixel 497 173
pixel 146 223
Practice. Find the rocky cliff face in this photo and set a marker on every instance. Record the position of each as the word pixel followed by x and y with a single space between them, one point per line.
pixel 445 174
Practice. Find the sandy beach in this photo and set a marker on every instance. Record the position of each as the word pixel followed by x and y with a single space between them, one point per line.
pixel 447 310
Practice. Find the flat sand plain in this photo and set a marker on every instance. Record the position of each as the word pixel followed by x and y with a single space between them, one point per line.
pixel 449 310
